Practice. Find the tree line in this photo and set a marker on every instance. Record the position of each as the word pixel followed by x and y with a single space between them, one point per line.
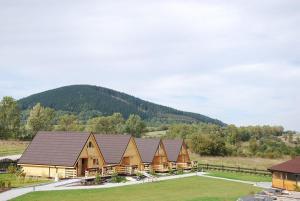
pixel 46 119
pixel 214 140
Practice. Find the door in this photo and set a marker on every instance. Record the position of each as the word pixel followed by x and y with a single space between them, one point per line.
pixel 84 165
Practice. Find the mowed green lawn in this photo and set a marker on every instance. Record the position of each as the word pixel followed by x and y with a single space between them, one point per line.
pixel 241 176
pixel 184 189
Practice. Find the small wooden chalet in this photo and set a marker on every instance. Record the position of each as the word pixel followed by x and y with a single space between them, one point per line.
pixel 120 154
pixel 177 154
pixel 62 155
pixel 153 155
pixel 286 175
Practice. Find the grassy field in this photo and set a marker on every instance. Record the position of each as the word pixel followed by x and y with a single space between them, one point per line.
pixel 246 162
pixel 185 189
pixel 155 134
pixel 18 182
pixel 11 147
pixel 241 176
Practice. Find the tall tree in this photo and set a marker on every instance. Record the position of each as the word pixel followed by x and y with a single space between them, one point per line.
pixel 134 125
pixel 40 118
pixel 9 118
pixel 68 123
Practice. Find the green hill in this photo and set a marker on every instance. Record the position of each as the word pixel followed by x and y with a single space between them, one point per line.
pixel 94 100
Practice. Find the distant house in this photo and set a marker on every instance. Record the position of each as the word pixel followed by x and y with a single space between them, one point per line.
pixel 120 154
pixel 61 154
pixel 286 175
pixel 153 154
pixel 177 154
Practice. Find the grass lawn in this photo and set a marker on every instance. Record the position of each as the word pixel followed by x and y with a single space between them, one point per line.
pixel 240 176
pixel 18 182
pixel 246 162
pixel 12 147
pixel 155 134
pixel 184 189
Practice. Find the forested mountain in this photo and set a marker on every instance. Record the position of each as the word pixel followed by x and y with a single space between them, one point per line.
pixel 88 101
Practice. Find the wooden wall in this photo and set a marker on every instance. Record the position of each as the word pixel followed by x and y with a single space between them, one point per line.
pixel 284 180
pixel 131 156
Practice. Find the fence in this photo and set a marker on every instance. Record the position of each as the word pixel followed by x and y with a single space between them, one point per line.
pixel 5 163
pixel 234 169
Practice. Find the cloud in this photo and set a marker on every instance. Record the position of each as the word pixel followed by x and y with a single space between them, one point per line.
pixel 236 61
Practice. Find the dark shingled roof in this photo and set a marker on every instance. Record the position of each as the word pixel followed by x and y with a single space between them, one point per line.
pixel 147 148
pixel 172 148
pixel 55 148
pixel 291 166
pixel 112 147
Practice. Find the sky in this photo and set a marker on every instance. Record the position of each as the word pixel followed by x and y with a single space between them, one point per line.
pixel 237 61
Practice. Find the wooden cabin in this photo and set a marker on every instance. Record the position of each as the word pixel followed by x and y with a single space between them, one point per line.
pixel 120 154
pixel 153 154
pixel 177 154
pixel 286 175
pixel 62 155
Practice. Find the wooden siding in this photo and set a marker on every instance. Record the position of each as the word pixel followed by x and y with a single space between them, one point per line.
pixel 160 161
pixel 131 156
pixel 52 171
pixel 284 180
pixel 90 153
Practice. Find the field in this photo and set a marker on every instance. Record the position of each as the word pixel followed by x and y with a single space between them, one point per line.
pixel 18 182
pixel 185 189
pixel 245 162
pixel 155 134
pixel 241 176
pixel 11 147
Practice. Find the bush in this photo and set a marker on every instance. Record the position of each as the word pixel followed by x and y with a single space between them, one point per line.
pixel 115 178
pixel 9 184
pixel 2 184
pixel 171 171
pixel 12 169
pixel 98 179
pixel 179 171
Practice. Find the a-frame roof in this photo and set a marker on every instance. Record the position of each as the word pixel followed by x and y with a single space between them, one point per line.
pixel 290 166
pixel 147 148
pixel 172 148
pixel 112 146
pixel 55 148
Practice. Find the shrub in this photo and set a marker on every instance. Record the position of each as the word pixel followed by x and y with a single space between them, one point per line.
pixel 97 179
pixel 115 178
pixel 171 171
pixel 12 169
pixel 179 171
pixel 9 184
pixel 2 184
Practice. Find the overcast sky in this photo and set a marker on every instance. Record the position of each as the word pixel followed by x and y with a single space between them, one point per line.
pixel 238 61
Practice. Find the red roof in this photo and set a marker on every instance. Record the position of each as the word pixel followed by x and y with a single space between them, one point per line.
pixel 147 148
pixel 172 148
pixel 112 146
pixel 291 166
pixel 55 148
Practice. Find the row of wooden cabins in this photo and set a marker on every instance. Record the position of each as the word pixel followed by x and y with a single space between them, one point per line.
pixel 77 154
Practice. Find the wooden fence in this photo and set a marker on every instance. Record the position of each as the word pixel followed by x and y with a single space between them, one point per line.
pixel 234 169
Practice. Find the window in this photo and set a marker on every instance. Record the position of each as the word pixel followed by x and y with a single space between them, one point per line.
pixel 95 161
pixel 90 145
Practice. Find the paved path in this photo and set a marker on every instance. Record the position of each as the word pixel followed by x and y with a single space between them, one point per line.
pixel 12 157
pixel 69 185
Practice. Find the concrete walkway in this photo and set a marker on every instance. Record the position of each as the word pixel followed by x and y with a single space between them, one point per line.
pixel 69 185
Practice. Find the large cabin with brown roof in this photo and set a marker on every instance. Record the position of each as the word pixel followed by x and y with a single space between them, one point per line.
pixel 153 154
pixel 286 175
pixel 177 154
pixel 62 155
pixel 120 154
